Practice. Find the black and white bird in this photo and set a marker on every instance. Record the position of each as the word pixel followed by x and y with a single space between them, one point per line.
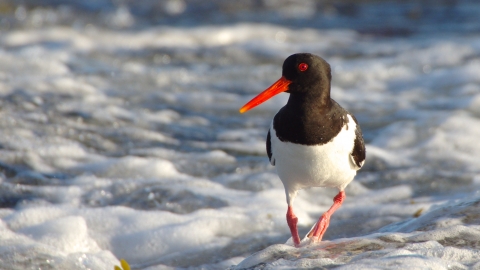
pixel 312 140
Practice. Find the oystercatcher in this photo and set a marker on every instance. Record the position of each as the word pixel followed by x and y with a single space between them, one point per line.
pixel 312 140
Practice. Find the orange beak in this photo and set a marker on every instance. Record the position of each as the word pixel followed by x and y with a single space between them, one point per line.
pixel 278 87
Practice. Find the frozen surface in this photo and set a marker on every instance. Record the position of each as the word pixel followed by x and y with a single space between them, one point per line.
pixel 120 135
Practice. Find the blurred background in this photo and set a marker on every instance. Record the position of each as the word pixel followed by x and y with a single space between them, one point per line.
pixel 374 17
pixel 120 135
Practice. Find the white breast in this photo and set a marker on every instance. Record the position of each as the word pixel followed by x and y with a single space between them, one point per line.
pixel 327 165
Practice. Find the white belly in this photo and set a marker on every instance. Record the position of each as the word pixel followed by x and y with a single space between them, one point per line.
pixel 327 165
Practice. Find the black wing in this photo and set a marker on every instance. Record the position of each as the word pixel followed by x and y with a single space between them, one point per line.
pixel 358 152
pixel 269 149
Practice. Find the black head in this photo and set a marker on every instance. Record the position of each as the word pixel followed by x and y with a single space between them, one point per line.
pixel 307 73
pixel 305 76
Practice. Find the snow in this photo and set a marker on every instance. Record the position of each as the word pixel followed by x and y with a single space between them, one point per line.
pixel 120 135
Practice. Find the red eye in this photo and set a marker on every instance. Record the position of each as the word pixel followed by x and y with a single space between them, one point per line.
pixel 302 67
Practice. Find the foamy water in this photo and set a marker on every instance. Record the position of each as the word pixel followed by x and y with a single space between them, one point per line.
pixel 122 139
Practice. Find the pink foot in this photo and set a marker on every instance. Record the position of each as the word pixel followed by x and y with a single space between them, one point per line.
pixel 321 227
pixel 292 224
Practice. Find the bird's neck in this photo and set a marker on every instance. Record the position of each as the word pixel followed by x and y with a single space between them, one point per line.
pixel 310 101
pixel 314 123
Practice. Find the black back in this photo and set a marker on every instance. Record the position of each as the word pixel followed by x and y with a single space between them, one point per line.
pixel 358 152
pixel 313 127
pixel 269 148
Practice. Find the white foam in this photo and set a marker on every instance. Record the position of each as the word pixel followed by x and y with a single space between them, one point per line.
pixel 128 144
pixel 133 167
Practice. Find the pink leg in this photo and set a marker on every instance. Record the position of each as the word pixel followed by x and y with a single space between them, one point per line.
pixel 292 223
pixel 321 227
